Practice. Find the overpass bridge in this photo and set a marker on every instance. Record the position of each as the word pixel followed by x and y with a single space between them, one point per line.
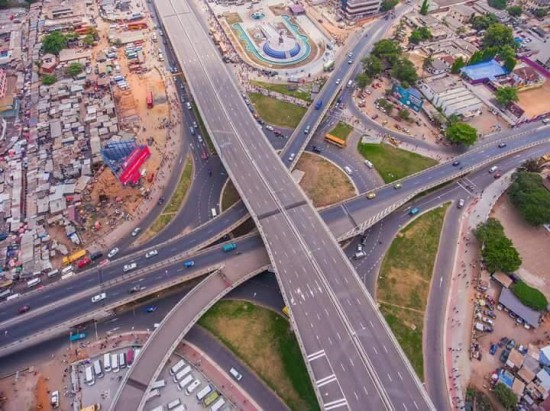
pixel 352 357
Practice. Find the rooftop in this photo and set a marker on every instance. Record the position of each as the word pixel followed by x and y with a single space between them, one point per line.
pixel 510 301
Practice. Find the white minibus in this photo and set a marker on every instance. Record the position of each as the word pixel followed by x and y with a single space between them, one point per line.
pixel 107 362
pixel 184 382
pixel 192 387
pixel 178 366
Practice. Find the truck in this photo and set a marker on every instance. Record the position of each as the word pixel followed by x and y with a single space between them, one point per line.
pixel 73 257
pixel 319 104
pixel 77 337
pixel 328 66
pixel 229 247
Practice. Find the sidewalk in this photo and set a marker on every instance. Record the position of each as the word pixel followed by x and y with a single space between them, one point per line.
pixel 458 329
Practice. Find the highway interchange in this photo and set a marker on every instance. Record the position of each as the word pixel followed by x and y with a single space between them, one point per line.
pixel 291 205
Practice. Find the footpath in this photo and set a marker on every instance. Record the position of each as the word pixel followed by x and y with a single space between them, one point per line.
pixel 460 306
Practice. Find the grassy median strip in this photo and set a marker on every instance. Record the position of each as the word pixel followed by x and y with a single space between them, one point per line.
pixel 394 163
pixel 264 341
pixel 287 89
pixel 276 112
pixel 404 282
pixel 342 130
pixel 229 196
pixel 174 205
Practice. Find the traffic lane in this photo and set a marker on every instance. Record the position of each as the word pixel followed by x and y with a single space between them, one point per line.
pixel 327 344
pixel 376 342
pixel 211 257
pixel 226 360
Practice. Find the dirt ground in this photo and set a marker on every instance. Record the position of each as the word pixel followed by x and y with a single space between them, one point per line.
pixel 323 182
pixel 531 242
pixel 535 101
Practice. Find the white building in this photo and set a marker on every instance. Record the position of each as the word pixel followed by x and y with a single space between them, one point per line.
pixel 451 96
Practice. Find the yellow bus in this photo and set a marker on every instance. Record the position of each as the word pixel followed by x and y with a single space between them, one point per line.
pixel 213 396
pixel 335 140
pixel 73 257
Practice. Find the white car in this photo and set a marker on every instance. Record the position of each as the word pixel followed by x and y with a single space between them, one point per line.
pixel 54 399
pixel 113 252
pixel 129 267
pixel 99 297
pixel 338 81
pixel 188 105
pixel 291 156
pixel 270 128
pixel 151 253
pixel 136 231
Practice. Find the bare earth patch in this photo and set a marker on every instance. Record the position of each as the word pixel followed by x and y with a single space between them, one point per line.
pixel 535 101
pixel 323 182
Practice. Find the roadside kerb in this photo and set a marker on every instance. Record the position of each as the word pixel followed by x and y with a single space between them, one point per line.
pixel 95 315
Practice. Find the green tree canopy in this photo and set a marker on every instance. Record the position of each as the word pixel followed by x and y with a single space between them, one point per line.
pixel 74 69
pixel 420 34
pixel 498 35
pixel 514 11
pixel 404 114
pixel 506 95
pixel 540 13
pixel 362 80
pixel 457 65
pixel 497 4
pixel 483 22
pixel 48 79
pixel 531 198
pixel 388 4
pixel 461 133
pixel 387 50
pixel 88 40
pixel 54 42
pixel 425 7
pixel 529 296
pixel 505 396
pixel 497 250
pixel 372 66
pixel 405 71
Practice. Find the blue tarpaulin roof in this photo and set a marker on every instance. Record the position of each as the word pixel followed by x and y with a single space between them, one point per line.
pixel 487 69
pixel 506 378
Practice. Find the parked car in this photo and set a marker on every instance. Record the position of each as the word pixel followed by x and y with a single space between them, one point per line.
pixel 113 252
pixel 460 203
pixel 493 349
pixel 268 127
pixel 54 399
pixel 511 344
pixel 504 355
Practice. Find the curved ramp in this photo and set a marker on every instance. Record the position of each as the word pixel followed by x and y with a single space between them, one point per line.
pixel 177 323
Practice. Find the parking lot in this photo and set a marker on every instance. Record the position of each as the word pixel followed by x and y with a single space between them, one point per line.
pixel 168 391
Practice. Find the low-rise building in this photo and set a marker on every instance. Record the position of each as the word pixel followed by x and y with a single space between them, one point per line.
pixel 451 96
pixel 461 13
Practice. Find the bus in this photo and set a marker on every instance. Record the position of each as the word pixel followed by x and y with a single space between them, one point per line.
pixel 204 392
pixel 107 362
pixel 150 100
pixel 210 398
pixel 89 373
pixel 73 257
pixel 137 25
pixel 130 356
pixel 338 142
pixel 328 66
pixel 217 406
pixel 114 363
pixel 179 376
pixel 175 369
pixel 98 369
pixel 192 387
pixel 183 383
pixel 77 337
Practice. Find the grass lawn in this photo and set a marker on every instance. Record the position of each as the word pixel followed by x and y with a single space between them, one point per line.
pixel 342 130
pixel 173 206
pixel 323 182
pixel 278 113
pixel 283 89
pixel 394 163
pixel 404 282
pixel 264 341
pixel 229 196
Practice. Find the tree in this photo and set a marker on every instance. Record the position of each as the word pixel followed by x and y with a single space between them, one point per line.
pixel 362 80
pixel 531 198
pixel 387 50
pixel 420 34
pixel 506 95
pixel 404 114
pixel 388 4
pixel 372 66
pixel 461 133
pixel 457 65
pixel 514 11
pixel 497 250
pixel 483 22
pixel 54 42
pixel 405 71
pixel 424 8
pixel 498 35
pixel 48 79
pixel 4 4
pixel 88 40
pixel 531 165
pixel 540 13
pixel 497 4
pixel 505 396
pixel 74 69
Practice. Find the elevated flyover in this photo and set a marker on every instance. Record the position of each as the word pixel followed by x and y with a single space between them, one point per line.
pixel 351 355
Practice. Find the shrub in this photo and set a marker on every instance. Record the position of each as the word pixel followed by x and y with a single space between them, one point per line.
pixel 529 296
